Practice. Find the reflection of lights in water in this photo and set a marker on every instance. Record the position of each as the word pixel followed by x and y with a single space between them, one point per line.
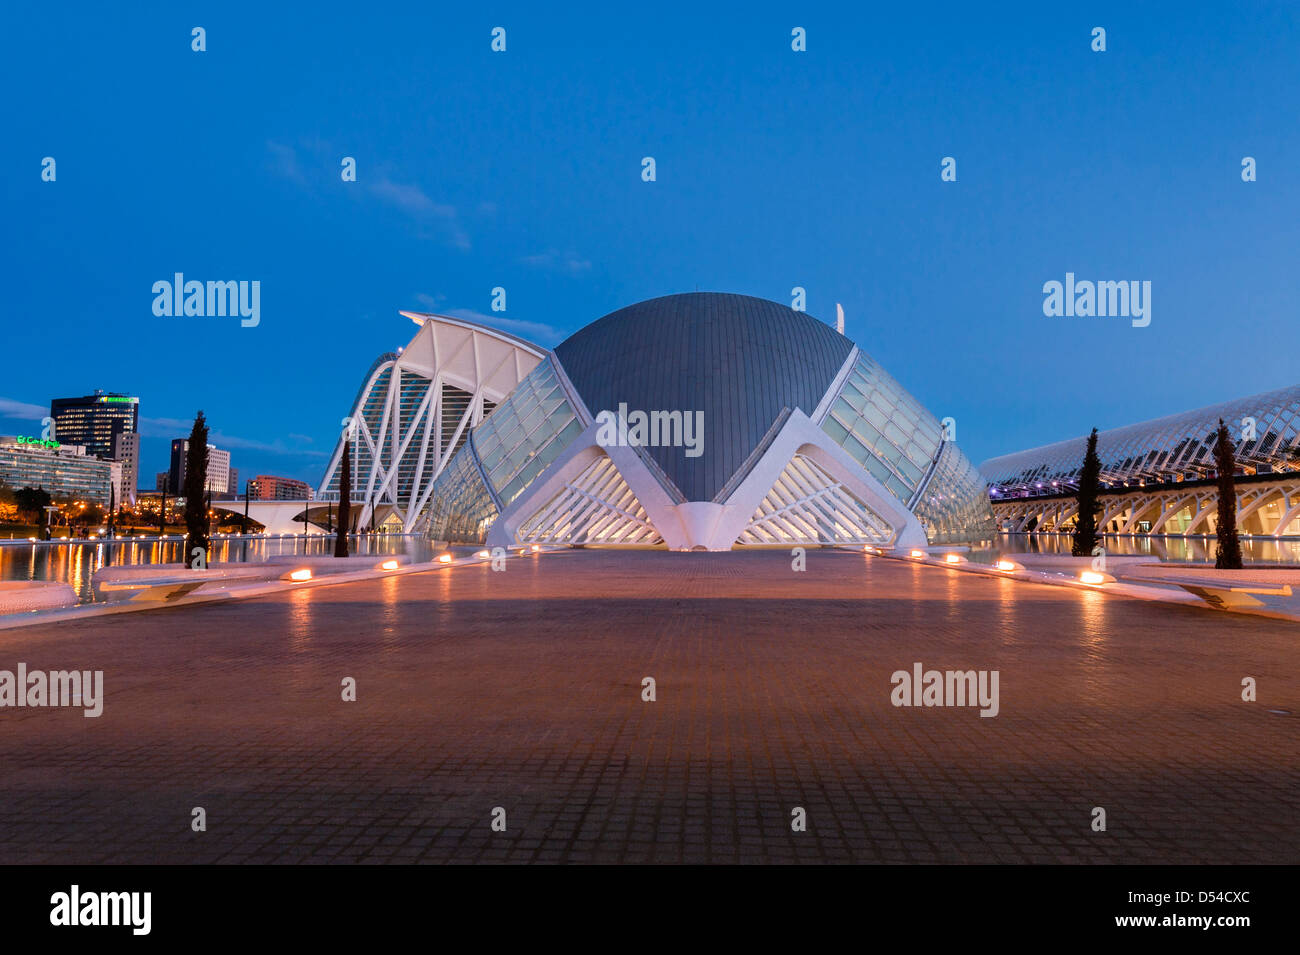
pixel 76 563
pixel 1175 549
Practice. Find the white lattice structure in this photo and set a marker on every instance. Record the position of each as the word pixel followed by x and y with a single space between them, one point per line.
pixel 808 506
pixel 1156 475
pixel 416 408
pixel 596 507
pixel 802 488
pixel 1265 430
pixel 1269 508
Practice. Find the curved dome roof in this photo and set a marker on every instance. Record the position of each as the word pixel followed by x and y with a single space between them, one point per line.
pixel 740 360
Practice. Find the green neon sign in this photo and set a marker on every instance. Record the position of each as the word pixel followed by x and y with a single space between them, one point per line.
pixel 24 439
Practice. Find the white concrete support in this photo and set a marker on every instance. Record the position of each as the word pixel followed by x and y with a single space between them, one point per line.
pixel 408 446
pixel 839 501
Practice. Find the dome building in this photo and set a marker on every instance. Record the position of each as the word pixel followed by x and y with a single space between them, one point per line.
pixel 700 421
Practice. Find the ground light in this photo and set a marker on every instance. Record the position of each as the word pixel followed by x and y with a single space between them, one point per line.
pixel 1094 578
pixel 917 554
pixel 952 558
pixel 482 555
pixel 444 558
pixel 1006 566
pixel 388 565
pixel 300 575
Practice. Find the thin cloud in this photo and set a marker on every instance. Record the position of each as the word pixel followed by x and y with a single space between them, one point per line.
pixel 538 333
pixel 285 163
pixel 9 408
pixel 556 261
pixel 227 442
pixel 417 204
pixel 180 428
pixel 309 166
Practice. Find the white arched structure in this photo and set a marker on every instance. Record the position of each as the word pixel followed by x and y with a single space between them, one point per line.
pixel 473 436
pixel 802 489
pixel 416 408
pixel 1265 508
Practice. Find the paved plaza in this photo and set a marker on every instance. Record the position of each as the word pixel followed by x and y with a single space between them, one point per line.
pixel 522 689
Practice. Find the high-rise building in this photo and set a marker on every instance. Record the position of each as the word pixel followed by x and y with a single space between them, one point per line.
pixel 218 468
pixel 92 420
pixel 160 481
pixel 63 470
pixel 126 451
pixel 268 487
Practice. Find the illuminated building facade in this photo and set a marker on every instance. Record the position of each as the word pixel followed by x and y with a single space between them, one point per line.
pixel 268 487
pixel 767 428
pixel 62 470
pixel 1158 477
pixel 92 420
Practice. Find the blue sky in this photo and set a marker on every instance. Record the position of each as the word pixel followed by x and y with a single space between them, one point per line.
pixel 522 169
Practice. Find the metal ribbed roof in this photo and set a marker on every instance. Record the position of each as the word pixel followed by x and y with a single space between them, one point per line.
pixel 1162 449
pixel 739 359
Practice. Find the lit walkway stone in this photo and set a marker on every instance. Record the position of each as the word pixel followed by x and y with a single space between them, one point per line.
pixel 522 690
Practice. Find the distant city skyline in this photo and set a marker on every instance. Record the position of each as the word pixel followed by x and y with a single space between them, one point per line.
pixel 774 170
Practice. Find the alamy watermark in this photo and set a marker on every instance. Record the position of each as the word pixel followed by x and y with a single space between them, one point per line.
pixel 76 907
pixel 921 687
pixel 1084 298
pixel 84 688
pixel 653 429
pixel 209 299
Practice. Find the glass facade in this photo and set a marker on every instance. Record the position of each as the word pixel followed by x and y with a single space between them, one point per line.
pixel 92 421
pixel 460 508
pixel 884 428
pixel 526 432
pixel 901 445
pixel 954 506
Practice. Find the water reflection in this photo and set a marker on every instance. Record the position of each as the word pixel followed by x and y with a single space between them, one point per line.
pixel 1193 549
pixel 75 562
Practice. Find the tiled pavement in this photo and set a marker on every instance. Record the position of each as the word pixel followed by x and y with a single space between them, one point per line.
pixel 522 689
